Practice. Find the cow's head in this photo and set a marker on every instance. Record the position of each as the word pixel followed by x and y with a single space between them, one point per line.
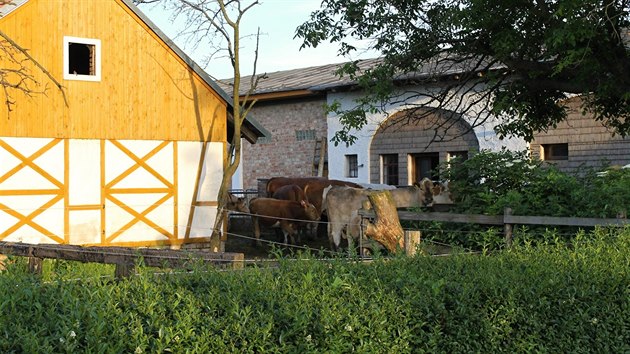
pixel 426 190
pixel 310 210
pixel 235 203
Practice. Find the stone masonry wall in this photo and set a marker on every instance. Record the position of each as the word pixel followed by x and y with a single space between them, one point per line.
pixel 294 126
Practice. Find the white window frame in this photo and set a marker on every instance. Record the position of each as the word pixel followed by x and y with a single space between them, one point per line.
pixel 66 58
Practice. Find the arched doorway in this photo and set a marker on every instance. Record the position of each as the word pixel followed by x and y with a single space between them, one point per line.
pixel 410 144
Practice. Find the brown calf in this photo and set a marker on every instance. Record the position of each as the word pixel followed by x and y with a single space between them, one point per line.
pixel 285 213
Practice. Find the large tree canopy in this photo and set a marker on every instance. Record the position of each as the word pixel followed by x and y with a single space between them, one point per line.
pixel 515 58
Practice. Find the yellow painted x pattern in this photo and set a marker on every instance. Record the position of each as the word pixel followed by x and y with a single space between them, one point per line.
pixel 139 216
pixel 27 219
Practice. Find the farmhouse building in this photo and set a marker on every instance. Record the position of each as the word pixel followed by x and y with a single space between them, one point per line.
pixel 291 105
pixel 131 152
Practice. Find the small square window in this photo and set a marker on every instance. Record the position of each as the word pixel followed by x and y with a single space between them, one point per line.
pixel 301 135
pixel 81 59
pixel 554 152
pixel 352 166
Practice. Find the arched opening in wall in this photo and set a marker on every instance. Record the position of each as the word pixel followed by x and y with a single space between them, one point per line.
pixel 410 145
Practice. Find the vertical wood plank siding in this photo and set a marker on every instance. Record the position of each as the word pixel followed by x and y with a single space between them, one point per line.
pixel 146 91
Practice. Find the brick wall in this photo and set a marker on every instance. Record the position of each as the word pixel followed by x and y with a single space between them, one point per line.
pixel 589 142
pixel 287 153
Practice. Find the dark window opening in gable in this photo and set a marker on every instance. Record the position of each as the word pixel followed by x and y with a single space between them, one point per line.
pixel 555 152
pixel 81 59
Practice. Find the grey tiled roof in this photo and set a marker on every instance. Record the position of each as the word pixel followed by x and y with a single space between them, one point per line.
pixel 309 78
pixel 324 77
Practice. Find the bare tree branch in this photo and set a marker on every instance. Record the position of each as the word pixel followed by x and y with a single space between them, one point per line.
pixel 20 78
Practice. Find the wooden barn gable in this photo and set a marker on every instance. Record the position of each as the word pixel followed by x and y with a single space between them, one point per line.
pixel 138 85
pixel 131 152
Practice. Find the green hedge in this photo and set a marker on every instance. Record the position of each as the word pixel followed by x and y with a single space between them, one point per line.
pixel 552 298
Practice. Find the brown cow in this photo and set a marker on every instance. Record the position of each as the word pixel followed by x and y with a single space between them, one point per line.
pixel 235 203
pixel 293 192
pixel 290 192
pixel 442 197
pixel 313 188
pixel 285 213
pixel 276 182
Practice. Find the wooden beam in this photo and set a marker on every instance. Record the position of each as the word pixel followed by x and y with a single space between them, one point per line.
pixel 281 95
pixel 122 255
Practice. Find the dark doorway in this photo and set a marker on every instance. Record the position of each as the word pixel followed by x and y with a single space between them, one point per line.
pixel 424 166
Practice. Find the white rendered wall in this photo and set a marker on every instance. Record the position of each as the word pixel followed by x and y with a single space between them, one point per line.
pixel 488 140
pixel 237 179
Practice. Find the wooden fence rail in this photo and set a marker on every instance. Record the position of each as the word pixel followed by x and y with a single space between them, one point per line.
pixel 507 220
pixel 124 258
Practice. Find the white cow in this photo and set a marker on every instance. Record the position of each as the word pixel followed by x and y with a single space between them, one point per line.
pixel 343 204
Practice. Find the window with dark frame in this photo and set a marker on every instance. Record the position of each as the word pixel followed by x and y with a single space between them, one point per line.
pixel 352 166
pixel 555 152
pixel 390 169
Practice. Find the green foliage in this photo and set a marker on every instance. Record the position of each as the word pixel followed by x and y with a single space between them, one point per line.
pixel 533 298
pixel 520 57
pixel 488 182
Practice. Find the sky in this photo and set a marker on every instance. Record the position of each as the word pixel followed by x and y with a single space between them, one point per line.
pixel 278 51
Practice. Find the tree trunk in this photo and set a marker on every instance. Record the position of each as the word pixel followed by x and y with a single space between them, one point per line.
pixel 386 228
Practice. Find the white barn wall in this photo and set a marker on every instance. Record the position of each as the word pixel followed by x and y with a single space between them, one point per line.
pixel 52 217
pixel 336 154
pixel 128 182
pixel 210 182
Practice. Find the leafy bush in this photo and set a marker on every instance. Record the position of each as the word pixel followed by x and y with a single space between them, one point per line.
pixel 542 298
pixel 489 182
